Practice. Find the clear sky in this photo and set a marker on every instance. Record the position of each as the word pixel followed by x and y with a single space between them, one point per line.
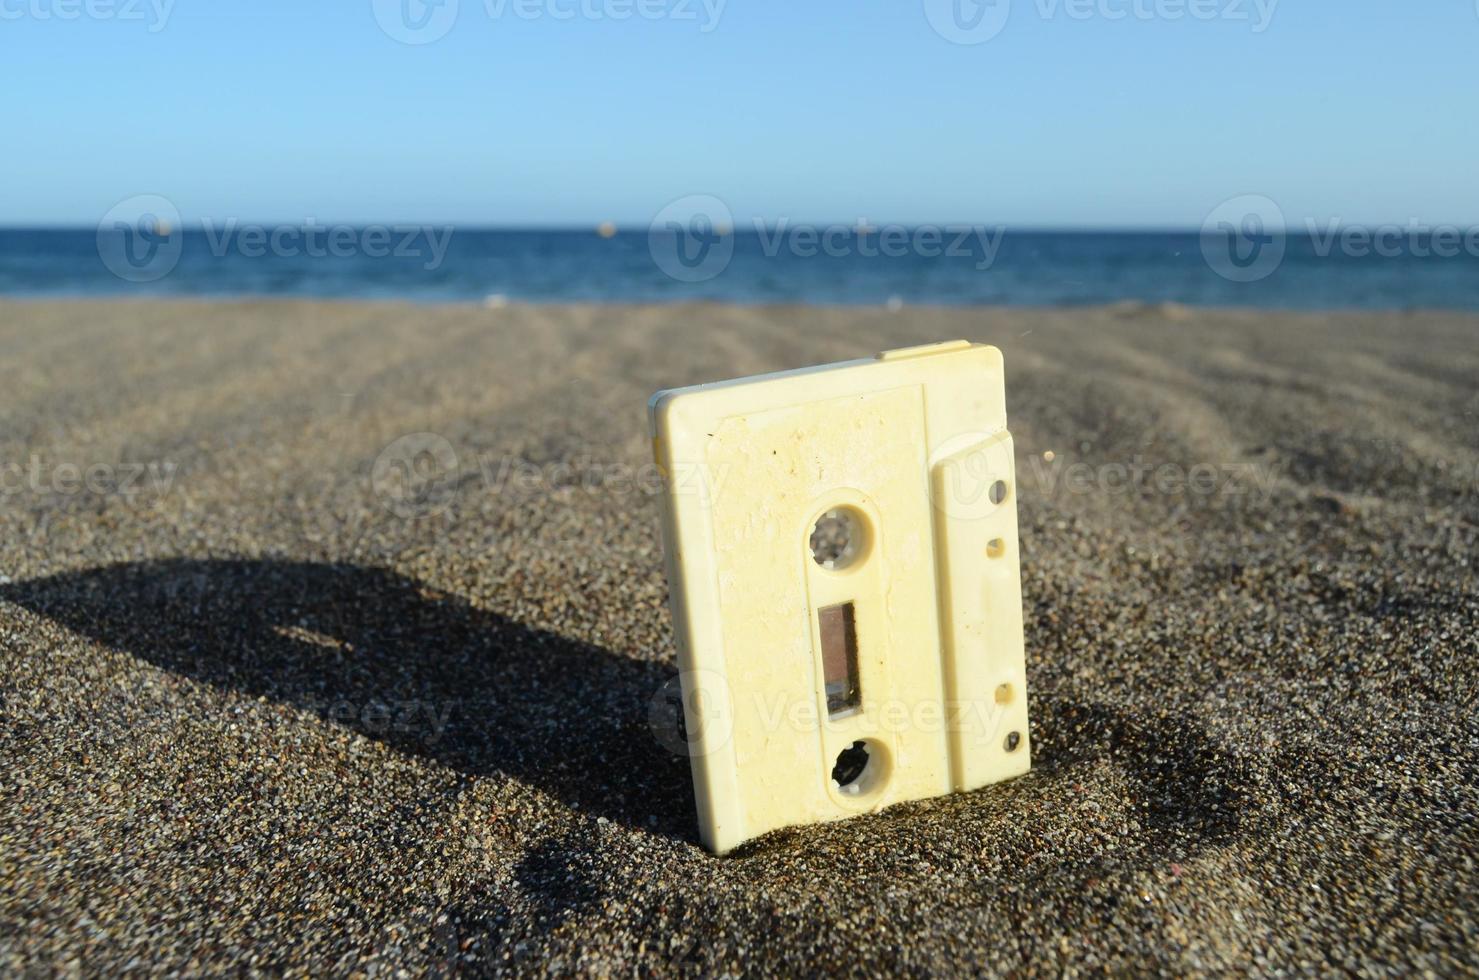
pixel 1098 113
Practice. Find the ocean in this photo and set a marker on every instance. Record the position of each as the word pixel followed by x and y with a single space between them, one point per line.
pixel 946 265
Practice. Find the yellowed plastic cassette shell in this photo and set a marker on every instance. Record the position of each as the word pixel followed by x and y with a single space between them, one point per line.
pixel 907 638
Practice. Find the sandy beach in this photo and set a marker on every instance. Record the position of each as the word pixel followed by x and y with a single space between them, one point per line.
pixel 331 634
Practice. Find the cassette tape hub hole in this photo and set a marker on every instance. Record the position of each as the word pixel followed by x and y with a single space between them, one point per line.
pixel 851 762
pixel 839 538
pixel 861 768
pixel 998 492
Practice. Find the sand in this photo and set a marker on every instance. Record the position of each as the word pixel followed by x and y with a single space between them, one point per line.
pixel 266 708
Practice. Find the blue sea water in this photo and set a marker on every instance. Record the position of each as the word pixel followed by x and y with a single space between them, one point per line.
pixel 439 264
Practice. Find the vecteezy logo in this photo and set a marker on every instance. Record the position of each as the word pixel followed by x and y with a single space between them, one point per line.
pixel 1243 238
pixel 692 239
pixel 967 21
pixel 140 238
pixel 416 476
pixel 973 475
pixel 416 21
pixel 696 723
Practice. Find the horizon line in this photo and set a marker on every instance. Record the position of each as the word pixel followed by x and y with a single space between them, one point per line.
pixel 617 228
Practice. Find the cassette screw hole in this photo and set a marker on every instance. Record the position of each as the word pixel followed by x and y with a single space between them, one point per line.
pixel 1004 695
pixel 1013 740
pixel 851 762
pixel 995 548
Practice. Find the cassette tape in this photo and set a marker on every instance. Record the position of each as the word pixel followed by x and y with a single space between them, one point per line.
pixel 841 547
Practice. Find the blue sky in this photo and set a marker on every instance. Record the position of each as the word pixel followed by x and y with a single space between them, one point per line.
pixel 809 110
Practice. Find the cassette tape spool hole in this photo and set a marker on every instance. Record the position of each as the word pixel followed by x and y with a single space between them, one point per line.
pixel 839 538
pixel 861 768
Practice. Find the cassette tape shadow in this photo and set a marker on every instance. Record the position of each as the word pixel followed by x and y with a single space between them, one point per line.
pixel 385 656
